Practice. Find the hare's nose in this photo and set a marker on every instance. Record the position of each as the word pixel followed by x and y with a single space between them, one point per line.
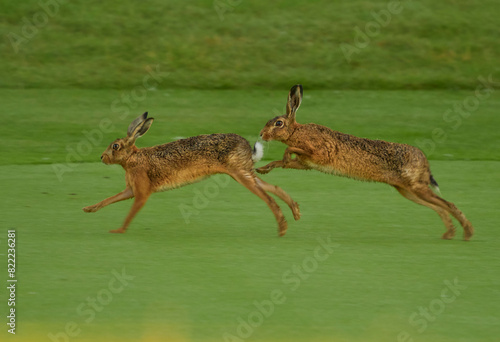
pixel 102 156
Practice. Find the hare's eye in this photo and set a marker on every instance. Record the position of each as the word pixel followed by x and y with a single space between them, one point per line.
pixel 116 146
pixel 279 123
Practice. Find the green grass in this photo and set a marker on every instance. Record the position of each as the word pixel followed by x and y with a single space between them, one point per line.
pixel 114 44
pixel 193 281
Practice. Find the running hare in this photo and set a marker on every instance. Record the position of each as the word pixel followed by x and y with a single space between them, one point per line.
pixel 317 147
pixel 185 161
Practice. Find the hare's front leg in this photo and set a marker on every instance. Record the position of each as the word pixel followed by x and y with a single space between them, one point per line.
pixel 287 162
pixel 295 163
pixel 125 194
pixel 267 168
pixel 141 197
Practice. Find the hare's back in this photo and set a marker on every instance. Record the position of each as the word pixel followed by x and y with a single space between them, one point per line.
pixel 208 146
pixel 351 152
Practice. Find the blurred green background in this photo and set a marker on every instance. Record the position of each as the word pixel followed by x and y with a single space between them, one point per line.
pixel 73 74
pixel 239 44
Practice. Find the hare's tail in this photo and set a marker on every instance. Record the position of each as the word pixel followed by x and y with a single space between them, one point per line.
pixel 258 152
pixel 434 185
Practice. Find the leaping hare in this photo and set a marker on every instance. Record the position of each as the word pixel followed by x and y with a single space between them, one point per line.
pixel 185 161
pixel 317 147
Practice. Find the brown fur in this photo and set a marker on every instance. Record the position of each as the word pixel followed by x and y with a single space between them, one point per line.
pixel 182 162
pixel 317 147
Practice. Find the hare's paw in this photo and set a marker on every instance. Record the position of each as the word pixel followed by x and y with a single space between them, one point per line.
pixel 469 231
pixel 296 211
pixel 264 169
pixel 282 227
pixel 267 168
pixel 448 235
pixel 119 231
pixel 90 209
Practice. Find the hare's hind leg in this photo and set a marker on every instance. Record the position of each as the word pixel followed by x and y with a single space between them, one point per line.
pixel 450 228
pixel 427 195
pixel 294 206
pixel 247 178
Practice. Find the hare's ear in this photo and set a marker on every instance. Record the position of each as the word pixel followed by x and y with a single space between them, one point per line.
pixel 136 123
pixel 139 127
pixel 142 129
pixel 294 100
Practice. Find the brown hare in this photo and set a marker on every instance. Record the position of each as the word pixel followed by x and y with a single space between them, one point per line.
pixel 317 147
pixel 185 161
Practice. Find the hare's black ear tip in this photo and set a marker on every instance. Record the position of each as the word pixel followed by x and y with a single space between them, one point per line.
pixel 145 115
pixel 294 88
